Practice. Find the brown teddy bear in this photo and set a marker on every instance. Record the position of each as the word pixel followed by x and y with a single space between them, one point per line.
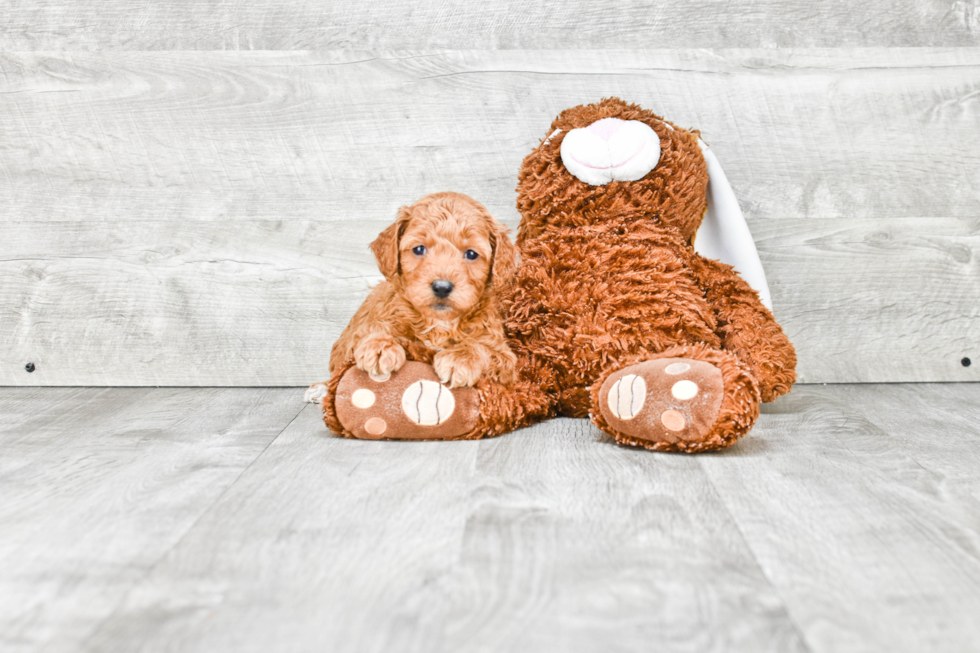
pixel 612 314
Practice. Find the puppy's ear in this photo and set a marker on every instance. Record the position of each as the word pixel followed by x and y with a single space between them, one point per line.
pixel 503 266
pixel 385 246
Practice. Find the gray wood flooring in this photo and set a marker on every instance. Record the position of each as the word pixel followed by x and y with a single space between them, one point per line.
pixel 140 519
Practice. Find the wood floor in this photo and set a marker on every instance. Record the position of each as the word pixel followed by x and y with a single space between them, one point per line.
pixel 231 520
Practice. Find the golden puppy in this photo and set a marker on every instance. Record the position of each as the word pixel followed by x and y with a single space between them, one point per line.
pixel 444 260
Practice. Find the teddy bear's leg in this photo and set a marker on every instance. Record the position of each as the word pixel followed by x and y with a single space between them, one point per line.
pixel 751 334
pixel 688 398
pixel 413 405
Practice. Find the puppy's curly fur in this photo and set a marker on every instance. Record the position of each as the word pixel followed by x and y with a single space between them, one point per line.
pixel 444 238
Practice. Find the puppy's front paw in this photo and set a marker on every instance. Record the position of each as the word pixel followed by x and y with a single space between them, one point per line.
pixel 315 393
pixel 379 355
pixel 458 368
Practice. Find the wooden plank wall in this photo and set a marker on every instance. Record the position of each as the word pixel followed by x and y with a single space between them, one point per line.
pixel 202 217
pixel 503 24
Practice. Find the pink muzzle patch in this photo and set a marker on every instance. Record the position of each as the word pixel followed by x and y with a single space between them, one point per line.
pixel 606 127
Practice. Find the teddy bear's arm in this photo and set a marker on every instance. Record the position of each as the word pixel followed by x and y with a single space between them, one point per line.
pixel 747 328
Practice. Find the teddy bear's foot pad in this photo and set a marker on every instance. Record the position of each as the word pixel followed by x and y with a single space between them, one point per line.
pixel 410 405
pixel 667 400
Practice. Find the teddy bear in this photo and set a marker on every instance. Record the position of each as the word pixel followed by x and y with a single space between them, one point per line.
pixel 614 312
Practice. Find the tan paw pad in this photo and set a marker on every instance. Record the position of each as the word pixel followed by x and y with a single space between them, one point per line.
pixel 673 420
pixel 411 405
pixel 375 426
pixel 627 395
pixel 428 403
pixel 363 398
pixel 665 400
pixel 684 390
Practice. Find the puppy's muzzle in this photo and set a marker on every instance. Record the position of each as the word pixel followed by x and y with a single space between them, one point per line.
pixel 441 288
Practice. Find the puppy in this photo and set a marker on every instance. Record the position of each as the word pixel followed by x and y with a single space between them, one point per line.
pixel 444 260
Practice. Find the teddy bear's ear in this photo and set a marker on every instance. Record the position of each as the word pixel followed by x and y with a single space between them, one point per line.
pixel 724 234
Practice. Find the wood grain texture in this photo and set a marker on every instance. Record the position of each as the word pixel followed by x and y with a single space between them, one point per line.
pixel 161 303
pixel 857 502
pixel 306 24
pixel 840 134
pixel 552 539
pixel 937 427
pixel 177 520
pixel 884 300
pixel 99 484
pixel 257 302
pixel 201 218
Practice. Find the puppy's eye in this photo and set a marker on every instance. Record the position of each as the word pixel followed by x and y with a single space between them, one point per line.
pixel 471 255
pixel 418 250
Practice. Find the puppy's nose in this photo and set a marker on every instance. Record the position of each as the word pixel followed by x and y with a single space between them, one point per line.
pixel 441 288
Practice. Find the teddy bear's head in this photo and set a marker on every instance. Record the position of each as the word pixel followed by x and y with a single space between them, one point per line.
pixel 612 160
